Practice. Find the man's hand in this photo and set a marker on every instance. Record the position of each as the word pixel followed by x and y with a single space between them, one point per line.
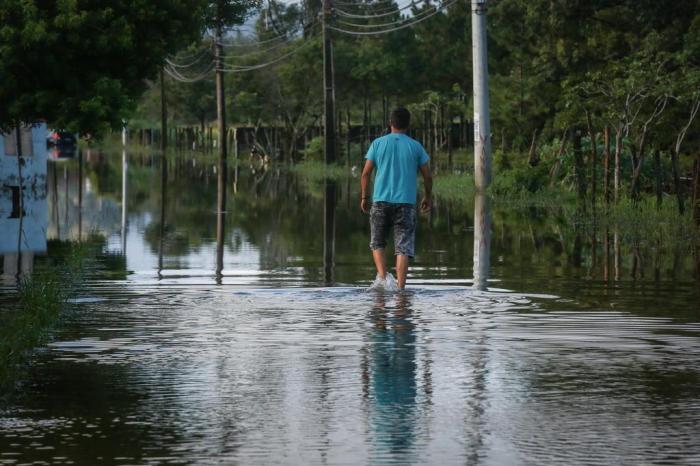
pixel 365 205
pixel 426 204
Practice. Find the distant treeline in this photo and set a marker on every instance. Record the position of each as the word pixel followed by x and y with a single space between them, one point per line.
pixel 625 74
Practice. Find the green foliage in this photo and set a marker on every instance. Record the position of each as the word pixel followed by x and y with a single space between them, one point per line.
pixel 42 298
pixel 314 150
pixel 313 172
pixel 82 65
pixel 454 187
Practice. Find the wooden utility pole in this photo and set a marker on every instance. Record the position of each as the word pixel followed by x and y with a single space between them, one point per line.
pixel 221 175
pixel 328 84
pixel 163 115
pixel 482 126
pixel 330 144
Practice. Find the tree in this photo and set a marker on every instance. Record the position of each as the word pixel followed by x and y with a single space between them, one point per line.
pixel 82 65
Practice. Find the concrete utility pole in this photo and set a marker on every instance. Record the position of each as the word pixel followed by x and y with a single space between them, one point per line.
pixel 328 84
pixel 482 127
pixel 221 178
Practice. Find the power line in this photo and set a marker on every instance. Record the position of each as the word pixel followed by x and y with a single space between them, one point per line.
pixel 176 75
pixel 187 65
pixel 393 23
pixel 377 2
pixel 405 24
pixel 244 68
pixel 269 49
pixel 282 36
pixel 345 14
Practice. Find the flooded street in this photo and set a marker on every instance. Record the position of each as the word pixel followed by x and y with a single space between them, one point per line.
pixel 575 346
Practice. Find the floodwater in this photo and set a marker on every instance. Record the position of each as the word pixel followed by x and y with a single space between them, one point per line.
pixel 518 341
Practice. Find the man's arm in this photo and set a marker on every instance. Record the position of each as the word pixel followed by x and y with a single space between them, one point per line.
pixel 427 203
pixel 364 183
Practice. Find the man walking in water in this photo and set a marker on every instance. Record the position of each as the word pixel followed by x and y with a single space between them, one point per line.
pixel 397 158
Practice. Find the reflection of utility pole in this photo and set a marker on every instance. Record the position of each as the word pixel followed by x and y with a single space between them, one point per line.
pixel 482 240
pixel 221 178
pixel 328 84
pixel 482 127
pixel 163 192
pixel 163 115
pixel 80 195
pixel 125 168
pixel 329 202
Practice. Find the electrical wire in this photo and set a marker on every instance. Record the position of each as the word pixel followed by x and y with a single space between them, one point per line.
pixel 269 49
pixel 188 57
pixel 426 12
pixel 173 73
pixel 242 69
pixel 370 8
pixel 403 26
pixel 284 36
pixel 377 2
pixel 187 65
pixel 393 23
pixel 393 12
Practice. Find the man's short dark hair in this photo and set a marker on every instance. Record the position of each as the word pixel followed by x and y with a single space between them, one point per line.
pixel 400 118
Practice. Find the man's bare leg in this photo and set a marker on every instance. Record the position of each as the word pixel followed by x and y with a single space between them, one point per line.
pixel 401 269
pixel 380 262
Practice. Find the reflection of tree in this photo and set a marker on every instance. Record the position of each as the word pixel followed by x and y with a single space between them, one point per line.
pixel 281 215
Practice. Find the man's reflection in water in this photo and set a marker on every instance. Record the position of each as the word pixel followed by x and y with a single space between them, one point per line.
pixel 390 375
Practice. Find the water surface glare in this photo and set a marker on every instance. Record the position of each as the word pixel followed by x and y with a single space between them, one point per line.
pixel 437 375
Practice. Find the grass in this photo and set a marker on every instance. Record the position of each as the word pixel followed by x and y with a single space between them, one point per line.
pixel 313 172
pixel 41 298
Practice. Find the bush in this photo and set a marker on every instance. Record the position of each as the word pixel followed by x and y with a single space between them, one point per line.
pixel 314 150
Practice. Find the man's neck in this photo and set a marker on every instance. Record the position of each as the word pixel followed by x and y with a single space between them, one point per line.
pixel 398 131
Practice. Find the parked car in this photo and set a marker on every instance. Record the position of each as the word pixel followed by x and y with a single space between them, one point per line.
pixel 61 138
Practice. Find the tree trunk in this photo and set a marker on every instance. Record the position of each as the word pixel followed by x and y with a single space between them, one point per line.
pixel 533 158
pixel 594 158
pixel 618 156
pixel 554 173
pixel 696 174
pixel 365 133
pixel 347 137
pixel 449 143
pixel 677 181
pixel 634 188
pixel 658 175
pixel 579 167
pixel 606 165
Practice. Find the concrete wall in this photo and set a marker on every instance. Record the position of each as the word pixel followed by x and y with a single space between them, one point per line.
pixel 35 219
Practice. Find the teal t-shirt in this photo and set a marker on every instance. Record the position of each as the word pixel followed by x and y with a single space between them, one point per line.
pixel 397 158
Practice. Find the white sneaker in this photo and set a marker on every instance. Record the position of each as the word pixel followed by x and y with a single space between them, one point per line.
pixel 391 283
pixel 378 284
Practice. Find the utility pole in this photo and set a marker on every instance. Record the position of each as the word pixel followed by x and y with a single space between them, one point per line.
pixel 221 178
pixel 163 115
pixel 482 127
pixel 329 137
pixel 328 84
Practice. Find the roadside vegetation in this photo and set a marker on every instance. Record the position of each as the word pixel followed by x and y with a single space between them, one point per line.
pixel 41 302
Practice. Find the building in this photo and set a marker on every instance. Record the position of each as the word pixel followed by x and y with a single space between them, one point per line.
pixel 23 203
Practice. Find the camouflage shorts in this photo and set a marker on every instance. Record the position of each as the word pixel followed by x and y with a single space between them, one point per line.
pixel 402 217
